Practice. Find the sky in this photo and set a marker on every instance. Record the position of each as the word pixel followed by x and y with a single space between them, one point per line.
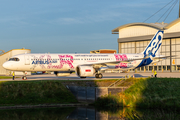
pixel 69 26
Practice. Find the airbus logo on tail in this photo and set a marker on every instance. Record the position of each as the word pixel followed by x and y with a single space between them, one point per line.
pixel 154 45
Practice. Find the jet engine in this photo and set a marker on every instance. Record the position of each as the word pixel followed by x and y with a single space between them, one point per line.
pixel 85 71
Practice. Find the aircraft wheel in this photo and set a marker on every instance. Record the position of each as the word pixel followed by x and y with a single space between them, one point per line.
pixel 97 76
pixel 24 78
pixel 100 75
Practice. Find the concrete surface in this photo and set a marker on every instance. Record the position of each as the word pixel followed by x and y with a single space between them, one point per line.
pixel 105 76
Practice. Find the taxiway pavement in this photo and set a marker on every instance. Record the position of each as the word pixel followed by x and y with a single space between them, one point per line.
pixel 105 76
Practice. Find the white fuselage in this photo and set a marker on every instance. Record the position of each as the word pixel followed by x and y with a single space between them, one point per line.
pixel 86 64
pixel 65 62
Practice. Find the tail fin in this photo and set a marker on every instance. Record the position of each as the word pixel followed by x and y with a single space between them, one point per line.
pixel 154 46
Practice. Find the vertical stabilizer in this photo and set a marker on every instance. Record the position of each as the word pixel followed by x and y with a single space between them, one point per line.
pixel 154 47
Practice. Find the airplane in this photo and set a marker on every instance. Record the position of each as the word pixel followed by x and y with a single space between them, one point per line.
pixel 86 65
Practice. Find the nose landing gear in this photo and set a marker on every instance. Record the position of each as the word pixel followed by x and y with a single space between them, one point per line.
pixel 24 77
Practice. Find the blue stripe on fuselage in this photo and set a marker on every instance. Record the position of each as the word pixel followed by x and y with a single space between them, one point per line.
pixel 145 62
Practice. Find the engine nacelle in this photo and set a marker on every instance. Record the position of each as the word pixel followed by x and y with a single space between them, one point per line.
pixel 62 73
pixel 85 71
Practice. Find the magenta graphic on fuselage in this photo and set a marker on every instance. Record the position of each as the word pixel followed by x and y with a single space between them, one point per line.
pixel 121 57
pixel 50 66
pixel 44 60
pixel 42 65
pixel 121 65
pixel 66 59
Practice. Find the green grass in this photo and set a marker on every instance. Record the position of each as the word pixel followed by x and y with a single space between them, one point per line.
pixel 5 77
pixel 34 92
pixel 147 93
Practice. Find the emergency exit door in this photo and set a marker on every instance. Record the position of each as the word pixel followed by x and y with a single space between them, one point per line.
pixel 27 60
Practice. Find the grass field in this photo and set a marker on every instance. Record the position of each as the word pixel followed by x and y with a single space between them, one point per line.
pixel 34 92
pixel 5 77
pixel 42 92
pixel 146 93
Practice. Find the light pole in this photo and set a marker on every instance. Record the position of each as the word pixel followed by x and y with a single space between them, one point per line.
pixel 179 8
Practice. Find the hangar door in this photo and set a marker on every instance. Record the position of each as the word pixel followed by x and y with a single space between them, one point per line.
pixel 27 60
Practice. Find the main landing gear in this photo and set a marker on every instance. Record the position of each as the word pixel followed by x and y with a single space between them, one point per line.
pixel 98 75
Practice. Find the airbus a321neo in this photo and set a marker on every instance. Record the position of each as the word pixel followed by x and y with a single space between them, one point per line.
pixel 86 65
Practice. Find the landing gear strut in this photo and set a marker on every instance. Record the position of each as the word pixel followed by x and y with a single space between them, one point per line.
pixel 98 75
pixel 24 77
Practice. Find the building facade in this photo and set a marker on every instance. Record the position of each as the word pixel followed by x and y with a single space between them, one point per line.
pixel 134 38
pixel 103 51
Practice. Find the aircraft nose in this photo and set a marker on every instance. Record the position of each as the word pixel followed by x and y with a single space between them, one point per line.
pixel 6 65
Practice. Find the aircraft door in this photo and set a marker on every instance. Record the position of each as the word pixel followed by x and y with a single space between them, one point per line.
pixel 27 60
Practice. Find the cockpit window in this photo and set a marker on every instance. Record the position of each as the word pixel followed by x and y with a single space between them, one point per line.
pixel 14 59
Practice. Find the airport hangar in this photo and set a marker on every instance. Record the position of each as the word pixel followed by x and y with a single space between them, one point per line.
pixel 134 38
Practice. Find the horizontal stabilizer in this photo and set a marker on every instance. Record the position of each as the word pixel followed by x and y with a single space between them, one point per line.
pixel 163 57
